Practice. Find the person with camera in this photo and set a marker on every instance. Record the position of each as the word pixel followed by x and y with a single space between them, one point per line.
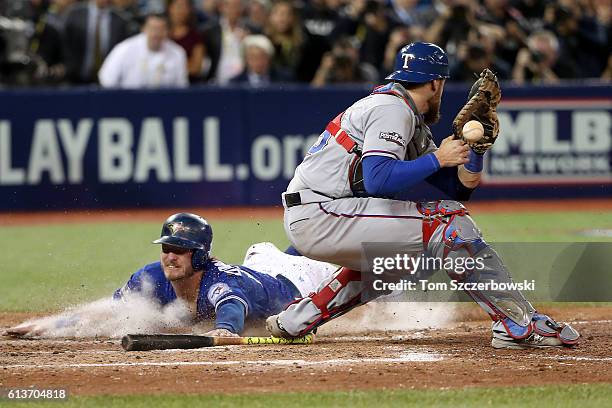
pixel 476 54
pixel 539 61
pixel 341 65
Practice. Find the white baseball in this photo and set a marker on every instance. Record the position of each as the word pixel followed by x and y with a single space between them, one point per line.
pixel 473 131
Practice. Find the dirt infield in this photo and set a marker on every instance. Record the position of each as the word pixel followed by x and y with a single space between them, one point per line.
pixel 458 356
pixel 231 213
pixel 452 357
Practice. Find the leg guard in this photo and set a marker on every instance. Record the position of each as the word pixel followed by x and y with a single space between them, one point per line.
pixel 449 232
pixel 339 295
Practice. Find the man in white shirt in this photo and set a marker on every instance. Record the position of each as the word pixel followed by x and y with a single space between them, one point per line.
pixel 146 60
pixel 223 40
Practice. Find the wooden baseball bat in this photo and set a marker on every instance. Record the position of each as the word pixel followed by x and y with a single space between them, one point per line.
pixel 144 342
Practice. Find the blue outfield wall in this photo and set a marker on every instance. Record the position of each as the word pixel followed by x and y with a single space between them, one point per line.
pixel 91 148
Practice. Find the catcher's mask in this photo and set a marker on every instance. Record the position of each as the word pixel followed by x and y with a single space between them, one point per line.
pixel 189 231
pixel 420 62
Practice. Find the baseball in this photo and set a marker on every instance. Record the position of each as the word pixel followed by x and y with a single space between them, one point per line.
pixel 473 131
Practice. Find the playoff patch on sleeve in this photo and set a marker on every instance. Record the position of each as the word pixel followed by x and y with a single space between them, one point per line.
pixel 392 137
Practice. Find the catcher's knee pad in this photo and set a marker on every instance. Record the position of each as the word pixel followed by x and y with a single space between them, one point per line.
pixel 448 223
pixel 450 233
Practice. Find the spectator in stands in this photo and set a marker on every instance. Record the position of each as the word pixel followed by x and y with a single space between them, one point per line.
pixel 46 46
pixel 351 18
pixel 583 37
pixel 206 11
pixel 500 20
pixel 91 30
pixel 147 60
pixel 452 25
pixel 287 36
pixel 377 29
pixel 259 71
pixel 475 55
pixel 132 13
pixel 342 66
pixel 320 18
pixel 258 12
pixel 57 12
pixel 223 39
pixel 533 12
pixel 407 12
pixel 183 32
pixel 539 62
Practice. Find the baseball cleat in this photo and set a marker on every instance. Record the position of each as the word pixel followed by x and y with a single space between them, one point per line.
pixel 533 341
pixel 542 332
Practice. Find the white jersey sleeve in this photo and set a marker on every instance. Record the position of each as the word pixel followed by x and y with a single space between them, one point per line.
pixel 387 130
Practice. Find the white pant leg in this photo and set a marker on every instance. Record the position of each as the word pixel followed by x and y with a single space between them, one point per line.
pixel 306 274
pixel 334 231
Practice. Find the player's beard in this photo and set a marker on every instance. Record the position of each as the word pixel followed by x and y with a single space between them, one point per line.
pixel 432 115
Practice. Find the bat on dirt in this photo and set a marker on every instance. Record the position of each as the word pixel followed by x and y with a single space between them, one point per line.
pixel 144 342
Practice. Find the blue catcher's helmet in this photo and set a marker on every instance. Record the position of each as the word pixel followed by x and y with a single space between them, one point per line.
pixel 420 62
pixel 190 231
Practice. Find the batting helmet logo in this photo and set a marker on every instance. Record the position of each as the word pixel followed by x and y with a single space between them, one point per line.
pixel 407 58
pixel 177 227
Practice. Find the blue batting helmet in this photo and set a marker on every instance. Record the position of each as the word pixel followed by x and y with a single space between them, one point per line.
pixel 420 62
pixel 190 231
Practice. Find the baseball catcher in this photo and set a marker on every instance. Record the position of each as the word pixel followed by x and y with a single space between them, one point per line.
pixel 348 191
pixel 212 290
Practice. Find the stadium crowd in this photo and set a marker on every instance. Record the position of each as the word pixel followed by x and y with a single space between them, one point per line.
pixel 175 43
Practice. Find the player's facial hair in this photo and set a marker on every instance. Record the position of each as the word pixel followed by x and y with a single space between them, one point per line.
pixel 433 109
pixel 188 271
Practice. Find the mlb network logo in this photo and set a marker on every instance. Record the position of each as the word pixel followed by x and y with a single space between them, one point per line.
pixel 551 141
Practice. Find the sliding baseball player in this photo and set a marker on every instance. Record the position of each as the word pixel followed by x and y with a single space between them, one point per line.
pixel 228 295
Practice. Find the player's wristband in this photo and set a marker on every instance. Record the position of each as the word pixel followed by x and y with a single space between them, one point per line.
pixel 476 162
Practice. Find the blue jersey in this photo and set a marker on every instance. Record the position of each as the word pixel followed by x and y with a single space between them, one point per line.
pixel 256 295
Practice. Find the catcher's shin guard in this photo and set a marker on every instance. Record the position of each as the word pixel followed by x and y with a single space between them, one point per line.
pixel 449 232
pixel 341 294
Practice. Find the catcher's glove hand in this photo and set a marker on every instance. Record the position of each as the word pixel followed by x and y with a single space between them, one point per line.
pixel 482 102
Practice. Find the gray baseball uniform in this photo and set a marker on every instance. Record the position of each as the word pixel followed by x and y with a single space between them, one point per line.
pixel 329 213
pixel 333 230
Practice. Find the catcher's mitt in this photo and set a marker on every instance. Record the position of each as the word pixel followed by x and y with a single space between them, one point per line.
pixel 482 102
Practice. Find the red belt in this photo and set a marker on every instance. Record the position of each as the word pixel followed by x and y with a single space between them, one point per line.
pixel 341 136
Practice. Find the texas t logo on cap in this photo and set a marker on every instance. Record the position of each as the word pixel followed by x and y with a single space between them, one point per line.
pixel 407 58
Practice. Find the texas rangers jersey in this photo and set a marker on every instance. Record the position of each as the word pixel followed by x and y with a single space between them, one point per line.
pixel 262 295
pixel 381 124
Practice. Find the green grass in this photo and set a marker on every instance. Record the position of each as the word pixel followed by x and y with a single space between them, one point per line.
pixel 45 268
pixel 48 267
pixel 543 227
pixel 558 396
